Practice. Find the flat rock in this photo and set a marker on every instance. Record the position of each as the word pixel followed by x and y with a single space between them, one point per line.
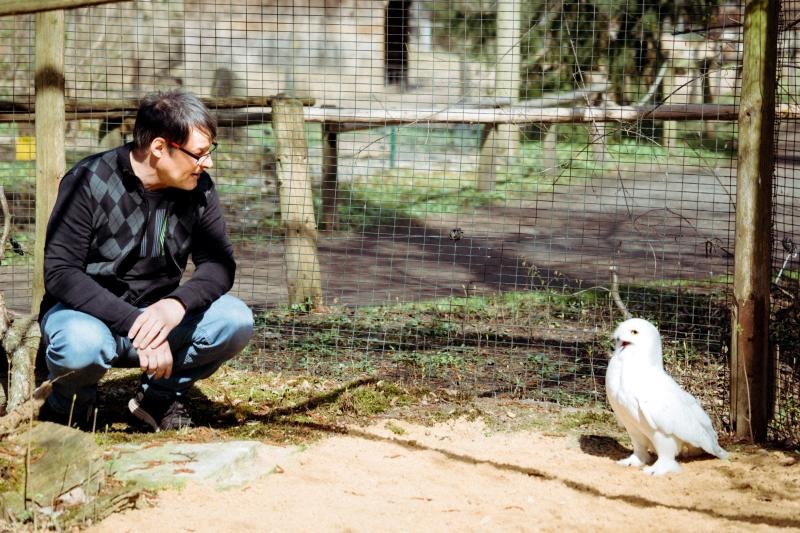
pixel 173 464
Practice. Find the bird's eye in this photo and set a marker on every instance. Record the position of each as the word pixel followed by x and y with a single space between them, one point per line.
pixel 634 332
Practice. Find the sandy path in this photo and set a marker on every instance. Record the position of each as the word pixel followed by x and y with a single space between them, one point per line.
pixel 459 475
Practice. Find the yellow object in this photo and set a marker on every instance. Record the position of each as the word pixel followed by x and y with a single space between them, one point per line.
pixel 26 148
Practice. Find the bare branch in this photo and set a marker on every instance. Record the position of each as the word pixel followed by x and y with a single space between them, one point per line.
pixel 6 221
pixel 615 293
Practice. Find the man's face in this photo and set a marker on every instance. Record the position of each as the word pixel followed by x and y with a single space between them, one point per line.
pixel 182 165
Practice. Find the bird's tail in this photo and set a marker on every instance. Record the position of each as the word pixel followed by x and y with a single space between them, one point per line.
pixel 717 451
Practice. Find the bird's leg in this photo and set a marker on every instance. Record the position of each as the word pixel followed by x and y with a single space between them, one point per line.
pixel 640 455
pixel 667 449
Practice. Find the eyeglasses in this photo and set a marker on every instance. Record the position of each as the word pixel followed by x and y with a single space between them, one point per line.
pixel 198 159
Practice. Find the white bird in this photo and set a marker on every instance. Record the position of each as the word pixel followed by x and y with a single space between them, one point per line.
pixel 656 412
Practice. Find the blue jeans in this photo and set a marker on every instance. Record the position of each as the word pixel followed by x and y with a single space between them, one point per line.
pixel 80 349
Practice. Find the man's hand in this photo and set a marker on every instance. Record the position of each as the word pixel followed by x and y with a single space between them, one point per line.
pixel 150 329
pixel 156 361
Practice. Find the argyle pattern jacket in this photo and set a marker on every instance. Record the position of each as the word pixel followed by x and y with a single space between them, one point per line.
pixel 94 233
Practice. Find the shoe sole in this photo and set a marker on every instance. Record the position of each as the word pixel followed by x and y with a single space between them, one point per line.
pixel 137 411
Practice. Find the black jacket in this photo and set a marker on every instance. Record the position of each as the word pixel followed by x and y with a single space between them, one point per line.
pixel 94 232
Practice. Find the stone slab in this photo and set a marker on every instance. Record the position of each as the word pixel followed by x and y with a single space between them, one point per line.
pixel 173 464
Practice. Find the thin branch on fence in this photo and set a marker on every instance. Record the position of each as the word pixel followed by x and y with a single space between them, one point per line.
pixel 6 221
pixel 654 87
pixel 615 293
pixel 5 318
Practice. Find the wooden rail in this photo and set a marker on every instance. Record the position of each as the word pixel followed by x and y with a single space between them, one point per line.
pixel 257 110
pixel 343 119
pixel 518 115
pixel 83 109
pixel 22 7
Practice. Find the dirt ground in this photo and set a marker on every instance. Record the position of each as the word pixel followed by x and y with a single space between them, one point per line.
pixel 464 475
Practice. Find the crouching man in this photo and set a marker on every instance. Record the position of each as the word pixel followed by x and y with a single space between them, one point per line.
pixel 124 225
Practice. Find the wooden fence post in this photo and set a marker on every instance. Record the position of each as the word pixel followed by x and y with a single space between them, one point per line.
pixel 329 218
pixel 50 132
pixel 297 206
pixel 487 158
pixel 752 380
pixel 507 77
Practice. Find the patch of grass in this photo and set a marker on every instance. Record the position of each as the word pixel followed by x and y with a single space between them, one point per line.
pixel 394 428
pixel 547 344
pixel 11 473
pixel 786 423
pixel 363 402
pixel 594 420
pixel 281 408
pixel 401 194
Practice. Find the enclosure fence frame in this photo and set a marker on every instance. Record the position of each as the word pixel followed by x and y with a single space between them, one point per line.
pixel 751 389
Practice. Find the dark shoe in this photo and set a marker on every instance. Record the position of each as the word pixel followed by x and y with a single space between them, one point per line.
pixel 160 415
pixel 81 417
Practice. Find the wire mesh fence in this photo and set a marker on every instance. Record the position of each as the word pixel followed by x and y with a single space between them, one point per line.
pixel 476 170
pixel 786 416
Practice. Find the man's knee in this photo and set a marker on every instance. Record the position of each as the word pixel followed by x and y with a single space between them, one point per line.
pixel 240 325
pixel 228 329
pixel 78 345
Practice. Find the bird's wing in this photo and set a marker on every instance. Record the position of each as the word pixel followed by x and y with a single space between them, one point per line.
pixel 673 411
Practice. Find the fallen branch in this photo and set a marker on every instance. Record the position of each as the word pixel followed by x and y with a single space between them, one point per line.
pixel 19 336
pixel 21 342
pixel 26 411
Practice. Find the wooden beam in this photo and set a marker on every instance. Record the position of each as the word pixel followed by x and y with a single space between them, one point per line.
pixel 130 105
pixel 752 361
pixel 355 119
pixel 297 207
pixel 50 132
pixel 520 114
pixel 22 7
pixel 328 217
pixel 487 158
pixel 127 105
pixel 505 136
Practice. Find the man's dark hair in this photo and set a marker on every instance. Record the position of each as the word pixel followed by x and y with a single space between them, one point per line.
pixel 171 115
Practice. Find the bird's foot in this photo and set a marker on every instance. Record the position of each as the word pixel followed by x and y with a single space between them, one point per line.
pixel 633 460
pixel 662 467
